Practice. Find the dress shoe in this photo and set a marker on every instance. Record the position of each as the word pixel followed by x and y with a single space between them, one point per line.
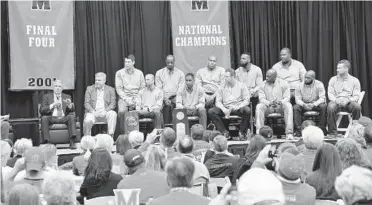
pixel 72 144
pixel 289 137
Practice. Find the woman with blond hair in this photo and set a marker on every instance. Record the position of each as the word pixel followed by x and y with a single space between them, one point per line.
pixel 20 146
pixel 23 194
pixel 351 153
pixel 155 158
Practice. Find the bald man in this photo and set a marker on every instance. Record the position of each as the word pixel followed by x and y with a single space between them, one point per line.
pixel 274 95
pixel 249 74
pixel 290 70
pixel 310 96
pixel 169 80
pixel 57 108
pixel 210 78
pixel 150 102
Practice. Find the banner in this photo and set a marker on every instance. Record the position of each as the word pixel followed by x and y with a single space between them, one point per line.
pixel 200 29
pixel 41 44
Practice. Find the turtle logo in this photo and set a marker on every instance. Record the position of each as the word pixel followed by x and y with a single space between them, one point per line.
pixel 132 121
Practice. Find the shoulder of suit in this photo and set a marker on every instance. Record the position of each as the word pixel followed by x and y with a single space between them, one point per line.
pixel 109 87
pixel 66 95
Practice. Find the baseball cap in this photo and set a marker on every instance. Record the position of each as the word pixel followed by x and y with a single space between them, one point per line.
pixel 133 158
pixel 34 159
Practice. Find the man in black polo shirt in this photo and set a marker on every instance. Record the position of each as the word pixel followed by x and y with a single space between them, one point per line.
pixel 222 163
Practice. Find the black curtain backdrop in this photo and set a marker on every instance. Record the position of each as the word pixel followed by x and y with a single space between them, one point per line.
pixel 318 33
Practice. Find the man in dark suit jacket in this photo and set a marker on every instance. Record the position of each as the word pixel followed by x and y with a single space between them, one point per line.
pixel 57 108
pixel 180 172
pixel 100 102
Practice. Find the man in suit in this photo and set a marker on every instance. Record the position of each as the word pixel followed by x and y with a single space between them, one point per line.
pixel 100 102
pixel 57 108
pixel 180 172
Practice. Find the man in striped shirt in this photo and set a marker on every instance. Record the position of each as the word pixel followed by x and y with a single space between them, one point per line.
pixel 191 97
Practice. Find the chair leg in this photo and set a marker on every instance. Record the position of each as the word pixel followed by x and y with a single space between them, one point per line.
pixel 339 118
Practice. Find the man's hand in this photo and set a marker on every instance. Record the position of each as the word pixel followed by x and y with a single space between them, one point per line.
pixel 56 104
pixel 167 102
pixel 307 106
pixel 345 102
pixel 227 113
pixel 69 103
pixel 151 137
pixel 263 156
pixel 338 101
pixel 235 108
pixel 102 113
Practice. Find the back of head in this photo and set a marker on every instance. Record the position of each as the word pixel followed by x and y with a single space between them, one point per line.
pixel 50 152
pixel 35 161
pixel 168 137
pixel 313 137
pixel 356 132
pixel 87 143
pixel 266 132
pixel 104 141
pixel 185 145
pixel 220 143
pixel 155 158
pixel 5 152
pixel 122 144
pixel 213 134
pixel 197 132
pixel 259 185
pixel 99 167
pixel 291 164
pixel 255 146
pixel 135 138
pixel 21 145
pixel 23 194
pixel 180 171
pixel 354 184
pixel 368 134
pixel 365 121
pixel 307 123
pixel 350 152
pixel 59 188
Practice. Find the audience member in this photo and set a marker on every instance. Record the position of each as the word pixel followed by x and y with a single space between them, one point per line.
pixel 79 163
pixel 209 153
pixel 155 158
pixel 106 142
pixel 355 185
pixel 350 153
pixel 365 121
pixel 34 163
pixel 307 123
pixel 51 157
pixel 180 172
pixel 209 135
pixel 201 174
pixel 256 144
pixel 99 179
pixel 313 138
pixel 300 144
pixel 136 139
pixel 327 166
pixel 59 188
pixel 20 146
pixel 222 163
pixel 5 155
pixel 151 182
pixel 167 141
pixel 368 137
pixel 122 144
pixel 356 132
pixel 197 133
pixel 23 194
pixel 266 132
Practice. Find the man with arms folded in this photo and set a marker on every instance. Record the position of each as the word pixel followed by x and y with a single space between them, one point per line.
pixel 100 102
pixel 191 97
pixel 232 99
pixel 210 78
pixel 274 97
pixel 343 94
pixel 128 82
pixel 150 102
pixel 169 80
pixel 310 96
pixel 290 70
pixel 57 108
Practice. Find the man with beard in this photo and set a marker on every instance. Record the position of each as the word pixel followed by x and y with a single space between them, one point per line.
pixel 250 75
pixel 210 78
pixel 274 97
pixel 310 96
pixel 169 80
pixel 290 70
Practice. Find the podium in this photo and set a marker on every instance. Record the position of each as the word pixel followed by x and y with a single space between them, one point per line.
pixel 180 122
pixel 131 121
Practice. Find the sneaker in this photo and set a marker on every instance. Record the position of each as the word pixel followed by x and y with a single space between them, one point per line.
pixel 289 137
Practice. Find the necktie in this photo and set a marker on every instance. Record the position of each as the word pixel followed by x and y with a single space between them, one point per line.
pixel 59 108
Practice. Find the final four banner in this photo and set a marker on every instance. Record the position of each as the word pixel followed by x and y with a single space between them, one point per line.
pixel 41 44
pixel 200 29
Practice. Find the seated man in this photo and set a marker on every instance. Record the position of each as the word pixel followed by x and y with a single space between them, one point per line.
pixel 232 99
pixel 274 96
pixel 128 82
pixel 57 108
pixel 169 80
pixel 192 99
pixel 343 94
pixel 5 126
pixel 222 163
pixel 150 102
pixel 210 78
pixel 310 96
pixel 100 102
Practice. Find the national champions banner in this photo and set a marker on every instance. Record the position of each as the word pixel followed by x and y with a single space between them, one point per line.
pixel 41 44
pixel 200 29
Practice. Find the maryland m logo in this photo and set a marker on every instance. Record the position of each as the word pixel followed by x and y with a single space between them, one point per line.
pixel 199 5
pixel 41 5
